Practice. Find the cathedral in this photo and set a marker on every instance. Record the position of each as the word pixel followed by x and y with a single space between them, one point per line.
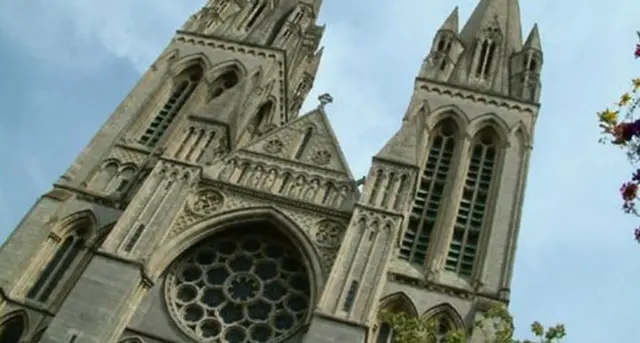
pixel 209 209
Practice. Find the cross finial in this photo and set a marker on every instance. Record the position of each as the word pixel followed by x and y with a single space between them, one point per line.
pixel 324 99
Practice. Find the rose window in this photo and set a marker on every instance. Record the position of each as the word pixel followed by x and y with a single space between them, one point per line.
pixel 239 288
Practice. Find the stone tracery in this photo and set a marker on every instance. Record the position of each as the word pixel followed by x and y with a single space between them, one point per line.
pixel 205 202
pixel 244 285
pixel 329 234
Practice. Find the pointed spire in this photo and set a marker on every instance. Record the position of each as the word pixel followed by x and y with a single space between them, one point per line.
pixel 499 21
pixel 503 14
pixel 451 24
pixel 533 40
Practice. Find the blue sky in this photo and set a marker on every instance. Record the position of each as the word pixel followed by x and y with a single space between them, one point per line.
pixel 68 63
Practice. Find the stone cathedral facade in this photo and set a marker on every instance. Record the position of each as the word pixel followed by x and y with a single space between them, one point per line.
pixel 208 209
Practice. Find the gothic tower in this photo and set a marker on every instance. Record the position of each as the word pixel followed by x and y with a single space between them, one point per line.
pixel 207 209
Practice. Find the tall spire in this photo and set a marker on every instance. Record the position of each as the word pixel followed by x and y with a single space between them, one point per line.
pixel 498 21
pixel 504 14
pixel 533 40
pixel 451 24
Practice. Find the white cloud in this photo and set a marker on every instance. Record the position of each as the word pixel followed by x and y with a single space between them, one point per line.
pixel 75 33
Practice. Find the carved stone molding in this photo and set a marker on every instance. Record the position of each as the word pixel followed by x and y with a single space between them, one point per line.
pixel 279 181
pixel 321 157
pixel 126 156
pixel 274 146
pixel 205 202
pixel 329 233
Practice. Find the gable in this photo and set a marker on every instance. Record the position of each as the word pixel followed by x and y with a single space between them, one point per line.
pixel 308 140
pixel 405 146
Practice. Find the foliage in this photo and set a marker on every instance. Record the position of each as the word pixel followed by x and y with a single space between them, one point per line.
pixel 621 128
pixel 497 327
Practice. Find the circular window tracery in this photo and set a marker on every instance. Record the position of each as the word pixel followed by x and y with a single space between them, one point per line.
pixel 239 287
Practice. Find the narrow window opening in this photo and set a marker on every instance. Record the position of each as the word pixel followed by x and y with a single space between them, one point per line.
pixel 303 144
pixel 195 144
pixel 189 132
pixel 12 330
pixel 443 64
pixel 430 193
pixel 484 46
pixel 168 186
pixel 327 193
pixel 298 16
pixel 400 195
pixel 223 83
pixel 376 186
pixel 385 334
pixel 243 172
pixel 165 117
pixel 54 272
pixel 123 185
pixel 286 34
pixel 207 145
pixel 388 189
pixel 351 296
pixel 255 16
pixel 533 66
pixel 285 182
pixel 302 87
pixel 260 119
pixel 372 235
pixel 444 47
pixel 489 59
pixel 472 207
pixel 131 243
pixel 221 5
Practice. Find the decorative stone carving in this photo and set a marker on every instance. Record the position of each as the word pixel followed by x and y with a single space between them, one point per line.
pixel 256 177
pixel 126 156
pixel 343 193
pixel 274 146
pixel 328 258
pixel 329 234
pixel 321 157
pixel 227 170
pixel 312 190
pixel 296 187
pixel 239 286
pixel 205 202
pixel 270 127
pixel 272 175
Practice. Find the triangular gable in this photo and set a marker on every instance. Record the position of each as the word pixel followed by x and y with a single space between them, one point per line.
pixel 404 147
pixel 320 150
